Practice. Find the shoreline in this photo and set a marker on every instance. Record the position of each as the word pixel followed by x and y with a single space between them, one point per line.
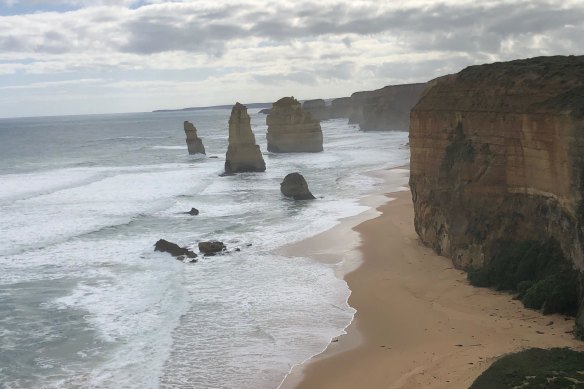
pixel 418 323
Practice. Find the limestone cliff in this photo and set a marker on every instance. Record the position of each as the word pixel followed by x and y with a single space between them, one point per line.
pixel 243 155
pixel 385 109
pixel 497 177
pixel 291 129
pixel 341 108
pixel 194 143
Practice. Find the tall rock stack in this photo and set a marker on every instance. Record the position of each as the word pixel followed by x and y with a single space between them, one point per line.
pixel 291 129
pixel 194 143
pixel 497 177
pixel 317 108
pixel 243 155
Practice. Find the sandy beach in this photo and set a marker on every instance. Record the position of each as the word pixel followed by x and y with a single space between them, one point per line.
pixel 419 324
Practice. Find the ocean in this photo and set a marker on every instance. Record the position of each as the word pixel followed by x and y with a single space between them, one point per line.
pixel 85 302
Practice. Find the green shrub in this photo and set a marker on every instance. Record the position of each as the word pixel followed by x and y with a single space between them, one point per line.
pixel 538 272
pixel 535 368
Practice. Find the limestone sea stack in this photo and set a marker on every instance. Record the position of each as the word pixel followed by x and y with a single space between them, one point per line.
pixel 317 108
pixel 295 186
pixel 291 129
pixel 243 155
pixel 497 177
pixel 194 143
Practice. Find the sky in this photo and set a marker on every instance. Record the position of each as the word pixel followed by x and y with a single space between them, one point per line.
pixel 66 57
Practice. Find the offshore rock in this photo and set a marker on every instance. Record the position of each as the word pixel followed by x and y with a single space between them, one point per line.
pixel 295 186
pixel 194 143
pixel 497 177
pixel 385 109
pixel 317 108
pixel 193 212
pixel 291 129
pixel 211 247
pixel 243 155
pixel 173 249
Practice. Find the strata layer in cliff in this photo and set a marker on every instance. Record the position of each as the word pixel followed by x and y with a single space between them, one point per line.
pixel 497 176
pixel 194 143
pixel 243 155
pixel 291 129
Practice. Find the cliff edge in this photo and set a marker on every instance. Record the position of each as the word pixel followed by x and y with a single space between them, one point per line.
pixel 497 177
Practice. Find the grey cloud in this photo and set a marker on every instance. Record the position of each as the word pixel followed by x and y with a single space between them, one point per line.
pixel 300 77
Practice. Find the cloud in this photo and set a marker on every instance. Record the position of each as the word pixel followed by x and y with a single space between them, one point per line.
pixel 329 45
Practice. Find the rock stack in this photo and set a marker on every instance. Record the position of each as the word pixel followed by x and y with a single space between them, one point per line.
pixel 194 143
pixel 317 108
pixel 291 129
pixel 243 155
pixel 295 186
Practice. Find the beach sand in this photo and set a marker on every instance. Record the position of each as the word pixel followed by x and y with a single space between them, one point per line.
pixel 419 324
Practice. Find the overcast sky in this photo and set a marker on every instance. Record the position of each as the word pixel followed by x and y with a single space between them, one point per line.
pixel 81 56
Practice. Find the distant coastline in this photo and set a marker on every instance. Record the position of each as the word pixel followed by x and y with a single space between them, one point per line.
pixel 225 106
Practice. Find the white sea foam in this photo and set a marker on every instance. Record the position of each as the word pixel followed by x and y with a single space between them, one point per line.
pixel 78 254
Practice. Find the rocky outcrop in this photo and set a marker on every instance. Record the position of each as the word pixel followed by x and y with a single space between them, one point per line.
pixel 291 129
pixel 243 155
pixel 211 247
pixel 385 109
pixel 174 250
pixel 193 212
pixel 317 108
pixel 295 186
pixel 497 177
pixel 194 143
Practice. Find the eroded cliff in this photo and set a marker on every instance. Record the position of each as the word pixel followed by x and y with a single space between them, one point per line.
pixel 385 109
pixel 497 177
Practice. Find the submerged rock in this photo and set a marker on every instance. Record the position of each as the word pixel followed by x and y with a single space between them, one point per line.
pixel 193 212
pixel 295 186
pixel 243 155
pixel 291 129
pixel 212 247
pixel 194 143
pixel 173 249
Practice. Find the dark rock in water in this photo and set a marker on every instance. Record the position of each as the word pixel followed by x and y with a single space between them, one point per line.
pixel 266 111
pixel 185 259
pixel 213 156
pixel 173 249
pixel 295 186
pixel 211 247
pixel 238 249
pixel 193 212
pixel 534 368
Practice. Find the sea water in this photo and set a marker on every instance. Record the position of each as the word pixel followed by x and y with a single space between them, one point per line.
pixel 85 302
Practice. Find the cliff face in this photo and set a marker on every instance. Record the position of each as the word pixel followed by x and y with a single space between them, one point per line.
pixel 497 177
pixel 194 143
pixel 243 155
pixel 385 109
pixel 291 129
